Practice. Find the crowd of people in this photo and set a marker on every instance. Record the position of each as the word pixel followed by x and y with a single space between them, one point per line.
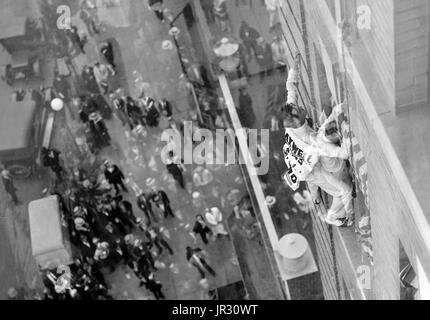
pixel 105 231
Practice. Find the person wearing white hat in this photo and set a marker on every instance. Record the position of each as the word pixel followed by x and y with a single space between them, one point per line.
pixel 9 185
pixel 214 219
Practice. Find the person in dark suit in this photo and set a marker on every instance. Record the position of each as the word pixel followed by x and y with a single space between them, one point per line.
pixel 51 159
pixel 249 38
pixel 156 238
pixel 196 258
pixel 145 206
pixel 155 287
pixel 114 176
pixel 162 201
pixel 127 214
pixel 201 228
pixel 175 169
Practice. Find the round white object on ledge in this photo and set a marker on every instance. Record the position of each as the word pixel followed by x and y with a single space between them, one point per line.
pixel 57 104
pixel 293 248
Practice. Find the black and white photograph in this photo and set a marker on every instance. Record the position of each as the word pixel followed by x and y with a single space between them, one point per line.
pixel 247 151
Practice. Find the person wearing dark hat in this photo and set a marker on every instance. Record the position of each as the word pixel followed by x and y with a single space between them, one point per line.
pixel 201 228
pixel 107 51
pixel 78 43
pixel 162 201
pixel 114 176
pixel 145 206
pixel 9 185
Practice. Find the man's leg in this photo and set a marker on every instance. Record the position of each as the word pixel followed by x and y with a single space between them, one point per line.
pixel 116 187
pixel 204 237
pixel 157 244
pixel 14 197
pixel 168 211
pixel 123 186
pixel 166 245
pixel 208 267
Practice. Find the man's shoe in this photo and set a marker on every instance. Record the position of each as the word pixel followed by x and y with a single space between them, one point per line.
pixel 334 221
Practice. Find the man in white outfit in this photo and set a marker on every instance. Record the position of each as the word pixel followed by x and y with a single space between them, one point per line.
pixel 313 158
pixel 214 219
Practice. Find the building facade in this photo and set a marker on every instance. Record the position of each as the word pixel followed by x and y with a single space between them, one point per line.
pixel 373 55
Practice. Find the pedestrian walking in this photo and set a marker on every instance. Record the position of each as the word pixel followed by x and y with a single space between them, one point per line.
pixel 51 159
pixel 201 228
pixel 107 51
pixel 145 205
pixel 155 287
pixel 89 21
pixel 196 258
pixel 99 129
pixel 89 82
pixel 152 112
pixel 9 185
pixel 156 238
pixel 134 113
pixel 175 169
pixel 162 201
pixel 249 38
pixel 77 41
pixel 119 108
pixel 114 176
